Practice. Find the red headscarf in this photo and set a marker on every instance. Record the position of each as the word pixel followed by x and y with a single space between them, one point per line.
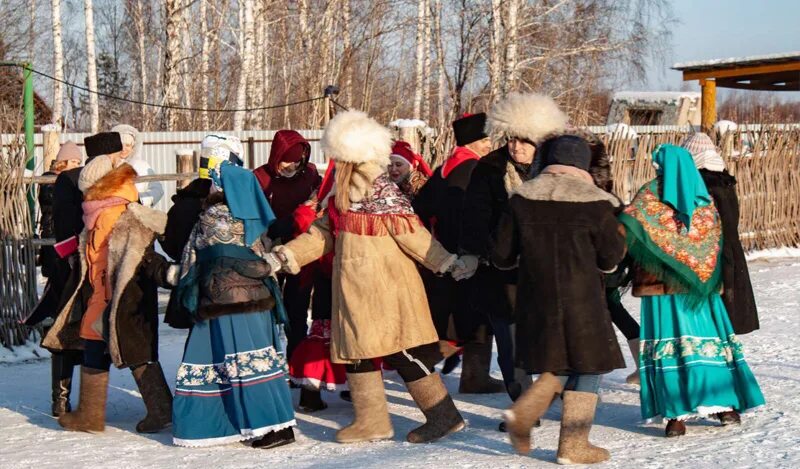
pixel 404 150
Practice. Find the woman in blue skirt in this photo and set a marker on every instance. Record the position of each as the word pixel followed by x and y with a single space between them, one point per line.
pixel 231 385
pixel 691 363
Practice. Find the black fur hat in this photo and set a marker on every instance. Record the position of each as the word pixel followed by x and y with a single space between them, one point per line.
pixel 104 143
pixel 469 128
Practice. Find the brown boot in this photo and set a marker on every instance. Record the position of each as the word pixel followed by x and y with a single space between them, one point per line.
pixel 675 428
pixel 91 413
pixel 475 378
pixel 633 378
pixel 730 417
pixel 529 408
pixel 372 420
pixel 576 422
pixel 434 401
pixel 156 396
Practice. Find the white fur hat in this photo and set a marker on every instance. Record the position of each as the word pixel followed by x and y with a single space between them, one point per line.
pixel 531 116
pixel 354 137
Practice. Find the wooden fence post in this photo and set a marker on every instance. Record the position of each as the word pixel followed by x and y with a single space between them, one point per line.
pixel 184 163
pixel 251 153
pixel 51 146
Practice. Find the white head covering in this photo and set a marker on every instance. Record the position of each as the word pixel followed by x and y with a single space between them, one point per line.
pixel 704 153
pixel 150 193
pixel 125 129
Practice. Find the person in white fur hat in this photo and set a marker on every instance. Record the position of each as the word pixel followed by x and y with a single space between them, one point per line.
pixel 379 303
pixel 150 193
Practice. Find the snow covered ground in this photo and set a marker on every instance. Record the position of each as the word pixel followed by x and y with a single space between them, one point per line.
pixel 768 438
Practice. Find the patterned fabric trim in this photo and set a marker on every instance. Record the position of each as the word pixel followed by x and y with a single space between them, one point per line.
pixel 314 384
pixel 709 350
pixel 245 434
pixel 388 211
pixel 238 369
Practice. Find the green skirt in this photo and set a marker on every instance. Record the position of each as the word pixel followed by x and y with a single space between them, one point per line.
pixel 691 363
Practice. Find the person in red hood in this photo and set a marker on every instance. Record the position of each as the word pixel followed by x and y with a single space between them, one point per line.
pixel 408 169
pixel 289 181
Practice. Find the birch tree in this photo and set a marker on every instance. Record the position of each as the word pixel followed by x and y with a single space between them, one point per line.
pixel 510 78
pixel 58 64
pixel 246 54
pixel 205 50
pixel 173 10
pixel 91 66
pixel 496 51
pixel 419 58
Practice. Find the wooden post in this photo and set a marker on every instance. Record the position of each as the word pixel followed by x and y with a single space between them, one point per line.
pixel 410 135
pixel 708 107
pixel 251 153
pixel 51 146
pixel 184 164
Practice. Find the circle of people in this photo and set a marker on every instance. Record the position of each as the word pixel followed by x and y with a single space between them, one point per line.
pixel 402 268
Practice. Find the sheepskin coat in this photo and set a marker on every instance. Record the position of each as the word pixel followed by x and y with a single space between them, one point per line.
pixel 562 232
pixel 131 318
pixel 379 303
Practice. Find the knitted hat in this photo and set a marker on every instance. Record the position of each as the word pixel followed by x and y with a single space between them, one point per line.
pixel 567 150
pixel 104 143
pixel 94 171
pixel 69 151
pixel 528 116
pixel 401 151
pixel 217 148
pixel 354 137
pixel 704 153
pixel 469 128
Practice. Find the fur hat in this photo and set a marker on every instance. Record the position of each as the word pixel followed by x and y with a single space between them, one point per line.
pixel 530 116
pixel 94 171
pixel 104 143
pixel 469 128
pixel 567 150
pixel 354 137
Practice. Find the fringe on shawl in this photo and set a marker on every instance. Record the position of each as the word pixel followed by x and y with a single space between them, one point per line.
pixel 368 224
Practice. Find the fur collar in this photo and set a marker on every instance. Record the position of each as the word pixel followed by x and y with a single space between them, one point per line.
pixel 564 188
pixel 362 179
pixel 111 184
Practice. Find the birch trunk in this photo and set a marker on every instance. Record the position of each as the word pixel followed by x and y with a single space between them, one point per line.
pixel 91 66
pixel 426 89
pixel 440 59
pixel 510 81
pixel 246 54
pixel 141 32
pixel 204 52
pixel 495 56
pixel 31 28
pixel 419 58
pixel 348 55
pixel 171 53
pixel 58 65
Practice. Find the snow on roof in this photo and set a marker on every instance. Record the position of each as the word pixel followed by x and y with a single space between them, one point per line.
pixel 654 95
pixel 737 60
pixel 406 123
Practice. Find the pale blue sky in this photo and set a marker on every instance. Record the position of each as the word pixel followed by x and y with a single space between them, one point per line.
pixel 713 29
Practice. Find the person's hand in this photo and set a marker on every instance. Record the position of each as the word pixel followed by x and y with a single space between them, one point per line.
pixel 465 267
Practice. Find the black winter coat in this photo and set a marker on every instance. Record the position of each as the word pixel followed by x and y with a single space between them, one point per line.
pixel 563 233
pixel 440 203
pixel 131 318
pixel 738 291
pixel 486 199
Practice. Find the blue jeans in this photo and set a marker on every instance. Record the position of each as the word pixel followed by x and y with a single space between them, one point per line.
pixel 581 383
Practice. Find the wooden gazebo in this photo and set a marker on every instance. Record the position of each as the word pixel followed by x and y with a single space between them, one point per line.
pixel 775 72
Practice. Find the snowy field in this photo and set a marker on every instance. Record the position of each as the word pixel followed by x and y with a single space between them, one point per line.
pixel 767 438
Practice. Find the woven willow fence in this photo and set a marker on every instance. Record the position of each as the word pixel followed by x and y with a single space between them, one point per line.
pixel 766 164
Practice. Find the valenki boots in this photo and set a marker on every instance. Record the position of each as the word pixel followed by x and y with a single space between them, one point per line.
pixel 156 396
pixel 475 378
pixel 529 408
pixel 576 422
pixel 91 413
pixel 435 402
pixel 634 378
pixel 372 420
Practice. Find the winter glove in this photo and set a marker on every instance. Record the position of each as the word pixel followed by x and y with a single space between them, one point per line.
pixel 173 274
pixel 465 267
pixel 274 263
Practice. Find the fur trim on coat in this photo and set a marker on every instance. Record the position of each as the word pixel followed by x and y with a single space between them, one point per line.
pixel 354 137
pixel 109 184
pixel 564 188
pixel 531 116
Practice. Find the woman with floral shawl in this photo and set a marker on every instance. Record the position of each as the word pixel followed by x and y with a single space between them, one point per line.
pixel 691 363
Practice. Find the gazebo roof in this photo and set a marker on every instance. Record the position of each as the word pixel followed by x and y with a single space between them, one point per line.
pixel 774 72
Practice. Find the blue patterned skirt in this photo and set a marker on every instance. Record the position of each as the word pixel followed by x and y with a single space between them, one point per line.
pixel 691 363
pixel 231 384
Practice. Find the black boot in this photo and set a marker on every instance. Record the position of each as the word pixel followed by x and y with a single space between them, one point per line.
pixel 345 396
pixel 275 439
pixel 450 364
pixel 62 364
pixel 311 401
pixel 156 396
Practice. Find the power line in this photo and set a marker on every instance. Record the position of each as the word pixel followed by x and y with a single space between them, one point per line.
pixel 336 103
pixel 162 106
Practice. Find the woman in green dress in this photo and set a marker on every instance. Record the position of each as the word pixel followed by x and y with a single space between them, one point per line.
pixel 691 363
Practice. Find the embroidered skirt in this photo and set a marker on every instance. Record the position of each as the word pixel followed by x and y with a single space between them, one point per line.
pixel 691 363
pixel 231 384
pixel 311 365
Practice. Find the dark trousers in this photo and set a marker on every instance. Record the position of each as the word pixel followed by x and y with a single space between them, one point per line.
pixel 505 348
pixel 412 364
pixel 620 316
pixel 95 355
pixel 296 299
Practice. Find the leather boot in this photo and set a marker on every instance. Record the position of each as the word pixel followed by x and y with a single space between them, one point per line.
pixel 61 368
pixel 372 420
pixel 730 417
pixel 156 396
pixel 91 413
pixel 475 378
pixel 275 439
pixel 633 378
pixel 528 409
pixel 576 423
pixel 675 428
pixel 435 402
pixel 311 401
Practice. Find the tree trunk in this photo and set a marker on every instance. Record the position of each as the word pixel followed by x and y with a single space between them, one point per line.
pixel 246 57
pixel 426 88
pixel 510 82
pixel 91 66
pixel 420 59
pixel 440 60
pixel 495 56
pixel 171 56
pixel 58 65
pixel 347 54
pixel 204 52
